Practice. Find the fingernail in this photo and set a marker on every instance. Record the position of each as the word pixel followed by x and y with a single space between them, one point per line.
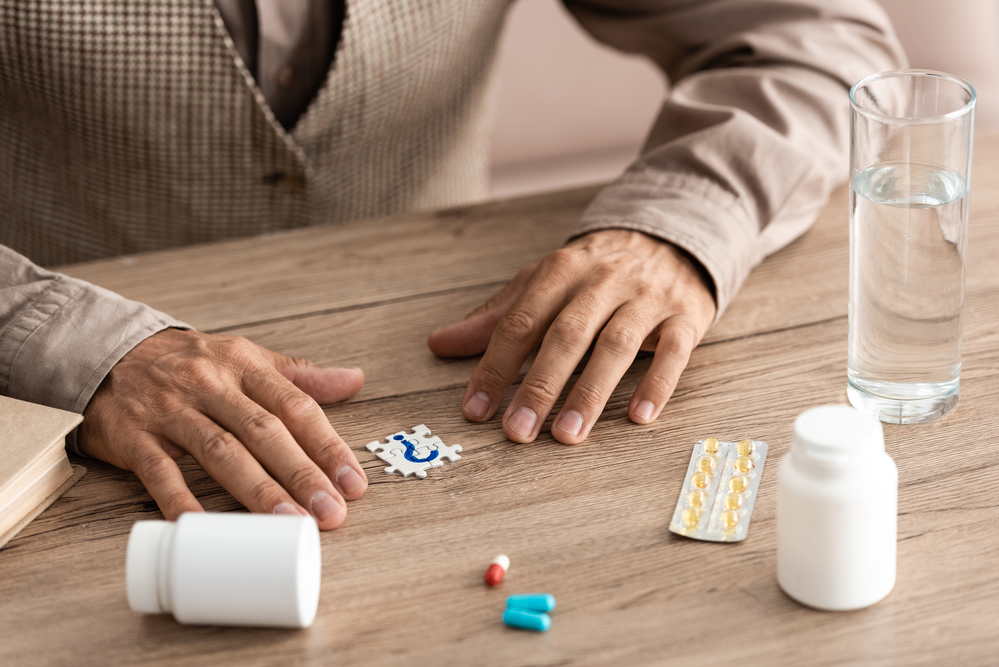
pixel 323 505
pixel 645 409
pixel 571 422
pixel 287 508
pixel 522 421
pixel 348 480
pixel 478 404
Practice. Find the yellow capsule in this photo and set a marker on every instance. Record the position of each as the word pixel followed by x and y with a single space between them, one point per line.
pixel 706 464
pixel 738 484
pixel 730 519
pixel 745 447
pixel 700 480
pixel 733 501
pixel 696 498
pixel 711 446
pixel 744 464
pixel 691 516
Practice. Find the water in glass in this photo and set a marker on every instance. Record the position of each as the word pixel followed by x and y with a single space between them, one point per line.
pixel 908 222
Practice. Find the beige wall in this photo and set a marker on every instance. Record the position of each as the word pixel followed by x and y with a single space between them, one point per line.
pixel 960 37
pixel 572 111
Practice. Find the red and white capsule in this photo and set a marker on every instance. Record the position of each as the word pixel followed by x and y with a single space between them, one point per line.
pixel 496 570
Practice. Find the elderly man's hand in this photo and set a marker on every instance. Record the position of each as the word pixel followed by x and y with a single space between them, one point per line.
pixel 249 416
pixel 622 289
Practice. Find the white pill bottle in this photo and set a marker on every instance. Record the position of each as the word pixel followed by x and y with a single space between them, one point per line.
pixel 837 511
pixel 226 569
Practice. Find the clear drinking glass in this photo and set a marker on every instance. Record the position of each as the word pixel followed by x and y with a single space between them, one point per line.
pixel 911 138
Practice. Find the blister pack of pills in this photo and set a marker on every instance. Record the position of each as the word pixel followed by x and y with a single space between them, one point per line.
pixel 720 489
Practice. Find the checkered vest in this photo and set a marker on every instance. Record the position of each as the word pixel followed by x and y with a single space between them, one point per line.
pixel 132 125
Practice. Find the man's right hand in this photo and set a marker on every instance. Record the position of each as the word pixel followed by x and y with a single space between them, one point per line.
pixel 249 416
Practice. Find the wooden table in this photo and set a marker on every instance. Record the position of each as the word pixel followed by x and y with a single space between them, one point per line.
pixel 402 579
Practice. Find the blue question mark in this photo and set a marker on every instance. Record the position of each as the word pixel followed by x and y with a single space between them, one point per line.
pixel 411 450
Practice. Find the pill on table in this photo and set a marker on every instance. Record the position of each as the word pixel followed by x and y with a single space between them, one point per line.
pixel 711 446
pixel 738 484
pixel 744 448
pixel 700 479
pixel 534 602
pixel 494 574
pixel 527 620
pixel 696 498
pixel 691 516
pixel 706 464
pixel 744 464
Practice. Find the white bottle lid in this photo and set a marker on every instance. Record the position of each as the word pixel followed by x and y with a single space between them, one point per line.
pixel 148 544
pixel 831 435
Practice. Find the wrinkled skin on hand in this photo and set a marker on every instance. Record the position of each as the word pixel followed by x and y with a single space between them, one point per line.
pixel 249 416
pixel 621 292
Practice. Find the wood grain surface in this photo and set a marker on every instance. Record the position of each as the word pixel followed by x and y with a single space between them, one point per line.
pixel 402 578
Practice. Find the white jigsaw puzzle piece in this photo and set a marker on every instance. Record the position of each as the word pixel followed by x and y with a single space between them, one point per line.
pixel 420 452
pixel 419 434
pixel 424 452
pixel 449 453
pixel 393 452
pixel 403 465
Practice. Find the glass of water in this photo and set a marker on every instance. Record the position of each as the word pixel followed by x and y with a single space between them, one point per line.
pixel 912 133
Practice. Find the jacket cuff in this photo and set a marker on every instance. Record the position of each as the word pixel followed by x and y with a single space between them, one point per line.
pixel 692 213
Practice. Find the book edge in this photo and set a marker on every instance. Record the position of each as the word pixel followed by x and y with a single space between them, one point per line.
pixel 63 423
pixel 78 472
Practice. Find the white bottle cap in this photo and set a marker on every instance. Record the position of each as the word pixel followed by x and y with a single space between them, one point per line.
pixel 831 435
pixel 147 546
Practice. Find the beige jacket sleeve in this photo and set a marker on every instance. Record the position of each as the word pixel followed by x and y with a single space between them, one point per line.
pixel 60 336
pixel 753 135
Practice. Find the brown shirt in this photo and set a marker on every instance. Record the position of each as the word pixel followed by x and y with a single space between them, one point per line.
pixel 750 141
pixel 287 45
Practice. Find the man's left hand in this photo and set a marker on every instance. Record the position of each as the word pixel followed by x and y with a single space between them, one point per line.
pixel 625 290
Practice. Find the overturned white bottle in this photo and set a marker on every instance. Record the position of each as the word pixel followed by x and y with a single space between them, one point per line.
pixel 837 511
pixel 226 569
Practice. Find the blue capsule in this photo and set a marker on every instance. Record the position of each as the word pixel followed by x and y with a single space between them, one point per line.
pixel 535 602
pixel 527 620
